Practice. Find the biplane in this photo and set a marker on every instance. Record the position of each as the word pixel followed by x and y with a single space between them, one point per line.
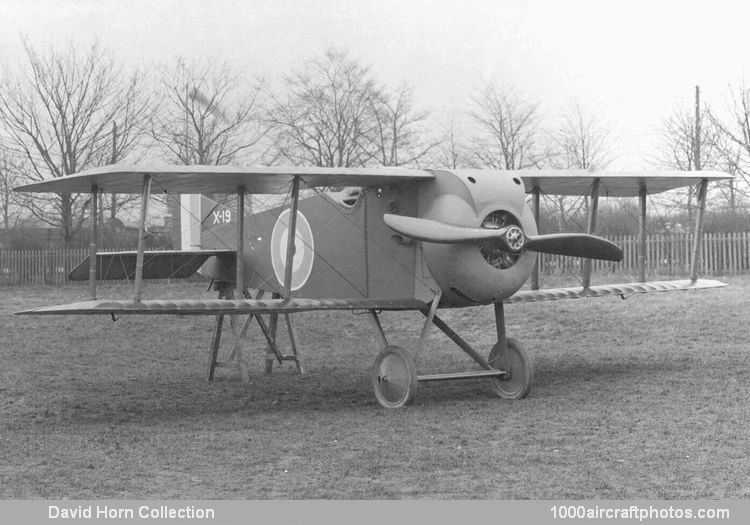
pixel 368 241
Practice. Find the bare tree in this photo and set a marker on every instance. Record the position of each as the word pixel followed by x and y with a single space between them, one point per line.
pixel 677 140
pixel 452 150
pixel 9 178
pixel 732 144
pixel 729 159
pixel 688 141
pixel 583 141
pixel 57 116
pixel 509 129
pixel 326 115
pixel 207 114
pixel 399 134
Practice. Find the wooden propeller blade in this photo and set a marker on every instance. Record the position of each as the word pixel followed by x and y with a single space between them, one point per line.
pixel 438 232
pixel 572 244
pixel 575 245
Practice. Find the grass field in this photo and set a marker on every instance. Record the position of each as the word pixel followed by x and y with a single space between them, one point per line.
pixel 642 398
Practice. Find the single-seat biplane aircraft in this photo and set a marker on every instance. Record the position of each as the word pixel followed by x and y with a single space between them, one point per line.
pixel 398 240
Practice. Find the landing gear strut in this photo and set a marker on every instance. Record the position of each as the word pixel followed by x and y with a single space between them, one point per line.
pixel 510 356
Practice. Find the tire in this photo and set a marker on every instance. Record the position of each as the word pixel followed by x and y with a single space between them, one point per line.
pixel 519 368
pixel 394 377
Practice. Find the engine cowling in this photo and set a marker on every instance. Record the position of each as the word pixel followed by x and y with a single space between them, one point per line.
pixel 485 271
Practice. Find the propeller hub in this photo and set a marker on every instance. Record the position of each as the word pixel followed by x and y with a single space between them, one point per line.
pixel 514 238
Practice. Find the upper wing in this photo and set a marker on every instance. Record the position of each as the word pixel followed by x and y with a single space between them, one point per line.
pixel 227 179
pixel 218 179
pixel 553 294
pixel 612 183
pixel 224 306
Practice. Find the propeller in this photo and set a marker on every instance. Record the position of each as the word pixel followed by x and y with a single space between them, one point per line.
pixel 572 244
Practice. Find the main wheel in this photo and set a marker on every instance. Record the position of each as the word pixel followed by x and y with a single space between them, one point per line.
pixel 394 377
pixel 516 362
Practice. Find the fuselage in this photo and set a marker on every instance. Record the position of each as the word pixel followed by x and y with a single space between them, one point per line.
pixel 343 249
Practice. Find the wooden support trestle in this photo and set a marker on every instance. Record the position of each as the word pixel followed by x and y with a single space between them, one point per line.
pixel 269 329
pixel 213 350
pixel 237 353
pixel 272 351
pixel 293 342
pixel 237 357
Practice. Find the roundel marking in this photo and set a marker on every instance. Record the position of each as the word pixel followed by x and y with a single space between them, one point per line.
pixel 304 249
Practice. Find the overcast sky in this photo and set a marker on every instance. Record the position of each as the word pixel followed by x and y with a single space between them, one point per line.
pixel 630 62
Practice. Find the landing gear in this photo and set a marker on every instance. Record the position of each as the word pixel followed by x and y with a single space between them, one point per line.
pixel 394 377
pixel 516 383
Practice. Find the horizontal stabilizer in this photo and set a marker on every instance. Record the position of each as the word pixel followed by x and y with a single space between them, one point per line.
pixel 224 306
pixel 553 294
pixel 173 264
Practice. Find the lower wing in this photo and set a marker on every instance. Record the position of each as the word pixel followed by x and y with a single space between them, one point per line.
pixel 224 306
pixel 286 306
pixel 553 294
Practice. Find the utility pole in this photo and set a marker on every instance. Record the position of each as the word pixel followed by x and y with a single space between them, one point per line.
pixel 701 190
pixel 696 150
pixel 113 206
pixel 5 181
pixel 186 160
pixel 697 137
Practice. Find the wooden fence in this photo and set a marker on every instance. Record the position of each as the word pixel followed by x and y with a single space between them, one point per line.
pixel 24 267
pixel 667 256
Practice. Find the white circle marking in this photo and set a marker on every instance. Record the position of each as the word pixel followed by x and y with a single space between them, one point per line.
pixel 304 247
